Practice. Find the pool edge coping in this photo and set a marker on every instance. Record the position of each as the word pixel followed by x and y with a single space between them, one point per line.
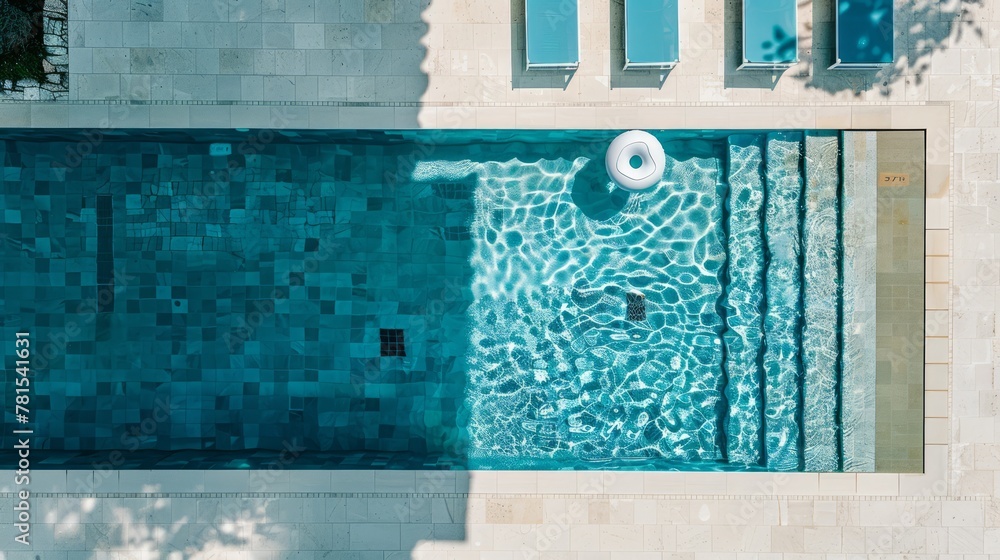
pixel 936 118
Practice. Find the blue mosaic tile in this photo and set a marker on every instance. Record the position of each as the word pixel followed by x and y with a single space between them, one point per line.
pixel 245 295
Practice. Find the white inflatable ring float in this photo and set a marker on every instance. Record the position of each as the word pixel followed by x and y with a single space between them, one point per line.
pixel 635 160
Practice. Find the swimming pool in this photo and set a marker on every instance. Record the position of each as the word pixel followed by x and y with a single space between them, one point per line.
pixel 427 299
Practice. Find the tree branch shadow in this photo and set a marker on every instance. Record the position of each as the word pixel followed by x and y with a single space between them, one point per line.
pixel 923 28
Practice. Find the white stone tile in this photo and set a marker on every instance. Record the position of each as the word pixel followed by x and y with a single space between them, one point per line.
pixel 406 117
pixel 965 540
pixel 395 481
pixel 306 88
pixel 205 11
pixel 290 62
pixel 936 431
pixel 194 86
pixel 249 35
pixel 262 480
pixel 623 482
pixel 98 86
pixel 230 88
pixel 81 60
pixel 515 482
pixel 165 34
pixel 207 61
pixel 556 482
pixel 18 114
pixel 796 483
pixel 936 404
pixel 178 481
pixel 252 88
pixel 134 34
pixel 962 513
pixel 938 213
pixel 310 481
pixel 41 481
pixel 167 116
pixel 288 117
pixel 110 61
pixel 375 536
pixel 324 117
pixel 937 296
pixel 134 87
pixel 353 481
pixel 663 483
pixel 366 117
pixel 620 537
pixel 878 484
pixel 483 482
pixel 300 10
pixel 86 115
pixel 326 12
pixel 705 483
pixel 977 430
pixel 279 88
pixel 227 481
pixel 937 540
pixel 130 481
pixel 838 483
pixel 41 116
pixel 694 538
pixel 278 35
pixel 226 35
pixel 175 11
pixel 198 35
pixel 936 350
pixel 103 34
pixel 264 62
pixel 309 36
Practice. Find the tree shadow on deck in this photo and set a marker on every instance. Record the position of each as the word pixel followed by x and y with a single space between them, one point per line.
pixel 922 28
pixel 733 54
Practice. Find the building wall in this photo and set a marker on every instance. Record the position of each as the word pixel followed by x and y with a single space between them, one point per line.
pixel 404 64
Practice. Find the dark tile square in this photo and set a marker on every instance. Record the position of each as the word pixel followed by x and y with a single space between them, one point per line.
pixel 391 342
pixel 636 306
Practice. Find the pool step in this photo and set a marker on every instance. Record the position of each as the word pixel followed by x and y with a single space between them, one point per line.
pixel 858 355
pixel 743 336
pixel 782 303
pixel 782 319
pixel 821 283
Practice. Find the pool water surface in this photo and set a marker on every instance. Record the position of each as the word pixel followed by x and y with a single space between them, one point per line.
pixel 427 299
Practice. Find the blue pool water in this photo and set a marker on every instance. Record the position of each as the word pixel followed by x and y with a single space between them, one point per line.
pixel 425 299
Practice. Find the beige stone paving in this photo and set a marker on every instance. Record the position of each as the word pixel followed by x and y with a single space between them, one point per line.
pixel 470 77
